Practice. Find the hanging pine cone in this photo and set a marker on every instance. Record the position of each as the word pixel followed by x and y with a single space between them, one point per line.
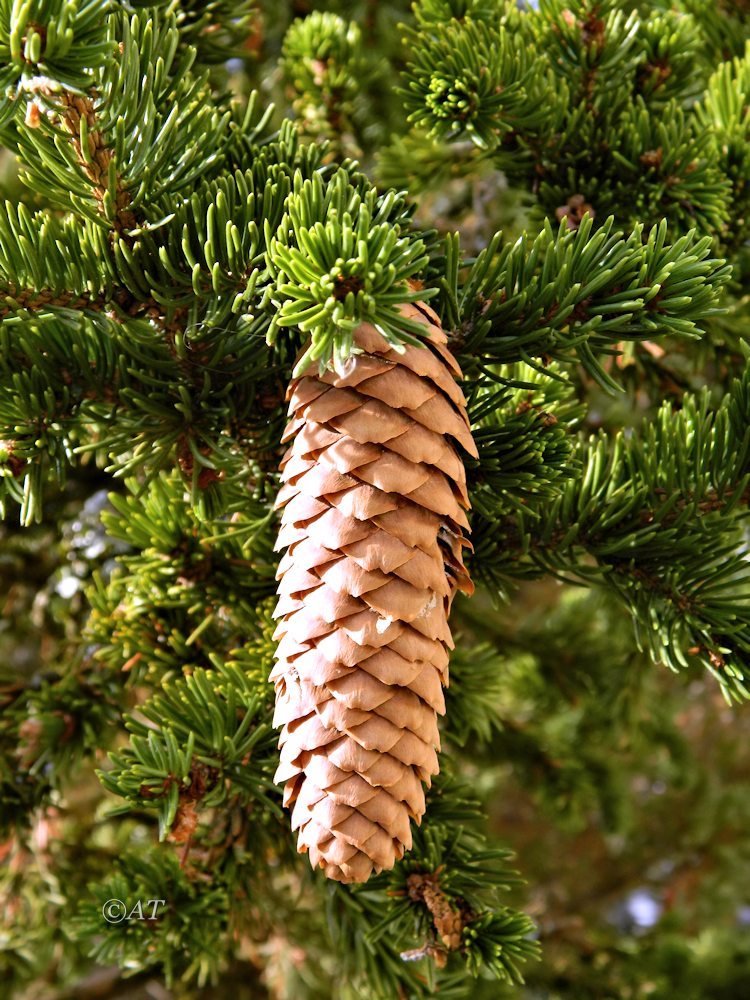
pixel 374 520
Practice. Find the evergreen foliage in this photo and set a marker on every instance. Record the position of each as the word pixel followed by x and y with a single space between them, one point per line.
pixel 197 198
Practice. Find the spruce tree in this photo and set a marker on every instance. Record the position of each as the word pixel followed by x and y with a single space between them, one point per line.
pixel 418 294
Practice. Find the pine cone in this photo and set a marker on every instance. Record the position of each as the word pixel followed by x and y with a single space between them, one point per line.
pixel 374 518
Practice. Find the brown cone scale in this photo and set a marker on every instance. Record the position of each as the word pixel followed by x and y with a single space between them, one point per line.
pixel 374 523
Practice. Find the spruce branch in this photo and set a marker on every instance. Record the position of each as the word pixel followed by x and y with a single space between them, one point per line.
pixel 434 12
pixel 323 62
pixel 671 60
pixel 210 250
pixel 725 116
pixel 723 27
pixel 119 156
pixel 77 116
pixel 45 41
pixel 593 43
pixel 49 263
pixel 472 699
pixel 183 938
pixel 217 29
pixel 582 101
pixel 198 742
pixel 445 898
pixel 341 256
pixel 474 79
pixel 577 294
pixel 523 434
pixel 655 517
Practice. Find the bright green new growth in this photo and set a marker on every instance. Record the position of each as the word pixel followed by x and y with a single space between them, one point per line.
pixel 172 251
pixel 338 260
pixel 324 63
